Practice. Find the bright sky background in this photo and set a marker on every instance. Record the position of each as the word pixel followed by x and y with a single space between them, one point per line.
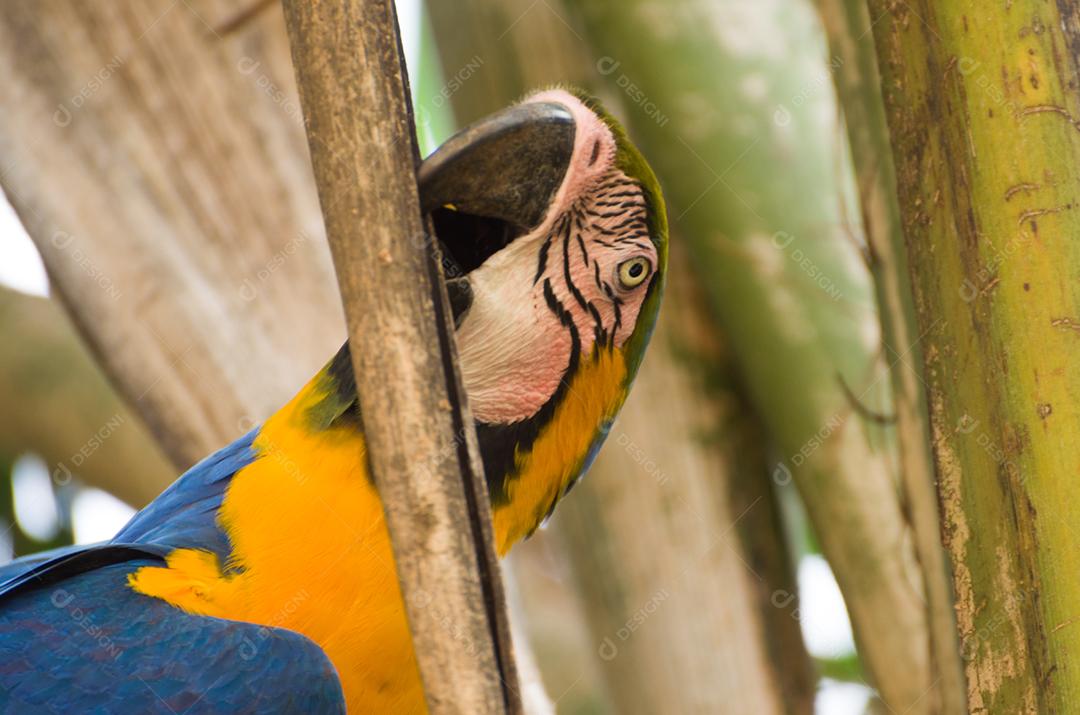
pixel 20 264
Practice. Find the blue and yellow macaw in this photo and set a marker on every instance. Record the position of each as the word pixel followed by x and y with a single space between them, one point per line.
pixel 262 580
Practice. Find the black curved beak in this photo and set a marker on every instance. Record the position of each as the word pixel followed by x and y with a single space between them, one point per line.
pixel 507 166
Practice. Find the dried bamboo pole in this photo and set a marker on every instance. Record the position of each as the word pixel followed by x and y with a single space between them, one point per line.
pixel 421 447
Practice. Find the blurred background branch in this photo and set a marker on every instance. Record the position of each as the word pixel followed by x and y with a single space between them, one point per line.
pixel 858 86
pixel 58 405
pixel 169 192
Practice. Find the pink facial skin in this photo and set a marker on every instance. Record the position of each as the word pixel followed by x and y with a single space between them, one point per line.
pixel 514 345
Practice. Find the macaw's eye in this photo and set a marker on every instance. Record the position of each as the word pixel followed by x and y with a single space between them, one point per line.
pixel 633 273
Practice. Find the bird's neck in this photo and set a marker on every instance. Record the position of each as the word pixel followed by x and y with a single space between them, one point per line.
pixel 529 464
pixel 558 445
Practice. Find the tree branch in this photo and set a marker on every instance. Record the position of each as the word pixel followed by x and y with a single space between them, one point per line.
pixel 421 447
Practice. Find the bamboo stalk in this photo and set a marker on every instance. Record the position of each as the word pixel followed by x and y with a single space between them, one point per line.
pixel 421 446
pixel 981 102
pixel 749 169
pixel 629 534
pixel 855 75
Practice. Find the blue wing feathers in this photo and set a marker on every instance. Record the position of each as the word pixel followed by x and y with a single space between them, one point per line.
pixel 75 639
pixel 92 644
pixel 21 565
pixel 185 514
pixel 72 562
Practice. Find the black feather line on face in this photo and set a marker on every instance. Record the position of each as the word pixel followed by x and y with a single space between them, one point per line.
pixel 613 213
pixel 581 245
pixel 616 181
pixel 626 223
pixel 579 219
pixel 578 297
pixel 603 231
pixel 618 319
pixel 501 443
pixel 599 331
pixel 541 262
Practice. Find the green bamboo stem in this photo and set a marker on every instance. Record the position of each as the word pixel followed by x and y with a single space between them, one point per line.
pixel 982 102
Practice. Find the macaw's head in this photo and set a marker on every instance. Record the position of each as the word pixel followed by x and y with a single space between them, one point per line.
pixel 554 242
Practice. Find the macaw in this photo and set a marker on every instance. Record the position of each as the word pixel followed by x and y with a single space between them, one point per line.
pixel 262 580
